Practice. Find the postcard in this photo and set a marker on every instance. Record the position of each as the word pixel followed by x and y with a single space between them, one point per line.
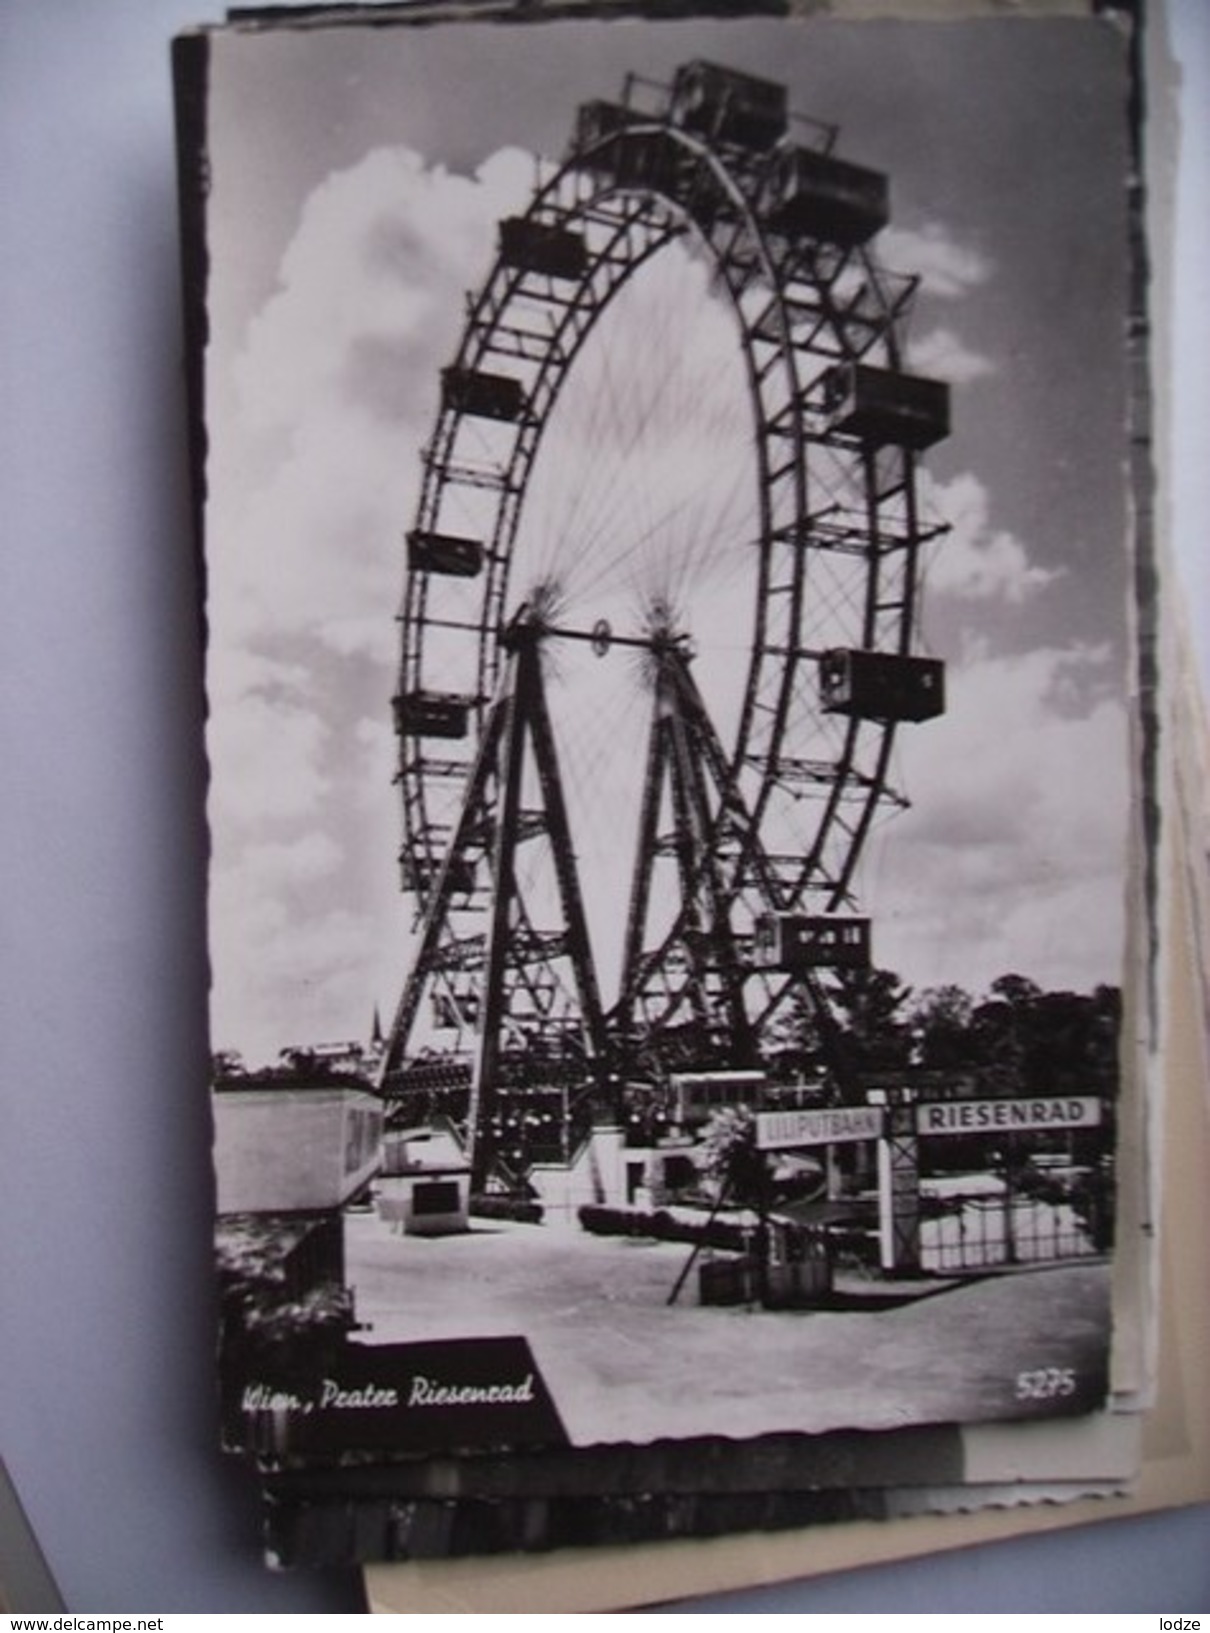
pixel 679 727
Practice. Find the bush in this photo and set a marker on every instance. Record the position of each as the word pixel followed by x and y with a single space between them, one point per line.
pixel 664 1227
pixel 517 1208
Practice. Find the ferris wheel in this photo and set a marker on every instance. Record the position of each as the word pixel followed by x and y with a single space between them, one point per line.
pixel 662 590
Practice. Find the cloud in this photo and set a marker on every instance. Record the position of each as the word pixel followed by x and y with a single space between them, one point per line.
pixel 265 765
pixel 943 356
pixel 314 477
pixel 289 977
pixel 1014 855
pixel 337 386
pixel 946 267
pixel 975 561
pixel 305 937
pixel 365 283
pixel 261 895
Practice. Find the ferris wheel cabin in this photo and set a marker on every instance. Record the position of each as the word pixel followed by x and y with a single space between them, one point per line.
pixel 540 246
pixel 727 106
pixel 431 714
pixel 444 553
pixel 423 877
pixel 793 942
pixel 884 407
pixel 813 195
pixel 886 686
pixel 489 396
pixel 616 141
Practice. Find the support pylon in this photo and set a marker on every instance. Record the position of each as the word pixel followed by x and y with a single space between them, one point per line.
pixel 532 993
pixel 690 814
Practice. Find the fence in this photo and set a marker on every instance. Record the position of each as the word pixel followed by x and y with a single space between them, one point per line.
pixel 980 1224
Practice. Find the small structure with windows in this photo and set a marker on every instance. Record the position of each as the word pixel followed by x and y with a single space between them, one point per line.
pixel 792 942
pixel 293 1143
pixel 696 1096
pixel 424 1186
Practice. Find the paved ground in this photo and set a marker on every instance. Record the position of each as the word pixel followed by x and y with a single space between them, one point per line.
pixel 623 1367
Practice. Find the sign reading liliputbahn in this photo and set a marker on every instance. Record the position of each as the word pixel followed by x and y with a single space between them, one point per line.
pixel 784 1130
pixel 995 1116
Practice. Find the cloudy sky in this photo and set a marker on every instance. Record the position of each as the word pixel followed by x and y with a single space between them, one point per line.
pixel 358 177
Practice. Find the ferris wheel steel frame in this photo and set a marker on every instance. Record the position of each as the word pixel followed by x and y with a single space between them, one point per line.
pixel 811 310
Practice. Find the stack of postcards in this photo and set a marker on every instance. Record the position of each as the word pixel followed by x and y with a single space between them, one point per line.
pixel 688 695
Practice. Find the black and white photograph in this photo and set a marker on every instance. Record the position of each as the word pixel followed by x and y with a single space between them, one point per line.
pixel 674 736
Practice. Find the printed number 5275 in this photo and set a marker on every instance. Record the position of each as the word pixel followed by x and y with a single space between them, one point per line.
pixel 1046 1384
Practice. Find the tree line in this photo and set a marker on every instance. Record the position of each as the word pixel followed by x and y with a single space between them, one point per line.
pixel 1016 1039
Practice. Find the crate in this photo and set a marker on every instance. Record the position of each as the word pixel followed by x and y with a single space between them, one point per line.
pixel 726 1281
pixel 800 1272
pixel 797 1286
